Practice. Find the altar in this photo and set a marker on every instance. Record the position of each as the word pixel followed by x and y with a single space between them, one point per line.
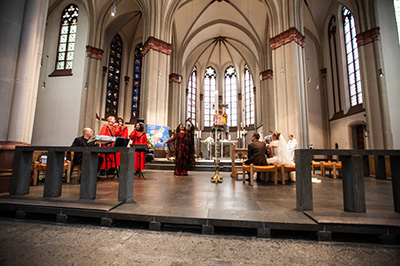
pixel 208 150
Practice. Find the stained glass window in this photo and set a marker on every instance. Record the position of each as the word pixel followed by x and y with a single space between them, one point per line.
pixel 137 76
pixel 209 90
pixel 113 76
pixel 191 98
pixel 67 39
pixel 249 96
pixel 231 96
pixel 353 65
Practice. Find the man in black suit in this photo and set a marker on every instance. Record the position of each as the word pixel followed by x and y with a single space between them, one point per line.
pixel 83 141
pixel 256 153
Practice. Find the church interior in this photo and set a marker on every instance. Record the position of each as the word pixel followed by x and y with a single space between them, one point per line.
pixel 324 71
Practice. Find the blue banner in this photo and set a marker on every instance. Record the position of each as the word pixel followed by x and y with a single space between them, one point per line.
pixel 157 134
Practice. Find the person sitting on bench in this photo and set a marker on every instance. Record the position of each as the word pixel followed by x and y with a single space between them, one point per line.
pixel 256 153
pixel 84 141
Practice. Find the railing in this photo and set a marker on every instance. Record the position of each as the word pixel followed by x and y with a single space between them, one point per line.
pixel 353 168
pixel 21 177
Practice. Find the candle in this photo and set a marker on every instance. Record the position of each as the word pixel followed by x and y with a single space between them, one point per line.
pixel 241 124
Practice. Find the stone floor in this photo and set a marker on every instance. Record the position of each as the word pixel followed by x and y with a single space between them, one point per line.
pixel 36 243
pixel 194 200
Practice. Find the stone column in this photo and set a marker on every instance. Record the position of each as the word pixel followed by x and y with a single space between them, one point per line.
pixel 375 95
pixel 23 27
pixel 290 96
pixel 175 87
pixel 267 107
pixel 26 53
pixel 91 94
pixel 155 81
pixel 127 114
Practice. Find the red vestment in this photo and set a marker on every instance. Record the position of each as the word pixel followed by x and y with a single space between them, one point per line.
pixel 108 130
pixel 139 137
pixel 122 132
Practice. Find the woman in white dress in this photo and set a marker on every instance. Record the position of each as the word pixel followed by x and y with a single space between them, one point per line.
pixel 279 150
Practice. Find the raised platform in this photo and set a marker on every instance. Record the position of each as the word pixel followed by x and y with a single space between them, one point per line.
pixel 163 201
pixel 201 165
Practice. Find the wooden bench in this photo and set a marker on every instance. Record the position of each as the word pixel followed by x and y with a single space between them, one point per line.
pixel 235 171
pixel 286 169
pixel 259 169
pixel 316 164
pixel 331 166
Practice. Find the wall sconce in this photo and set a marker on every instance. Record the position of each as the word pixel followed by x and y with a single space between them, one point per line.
pixel 43 85
pixel 381 72
pixel 282 70
pixel 113 9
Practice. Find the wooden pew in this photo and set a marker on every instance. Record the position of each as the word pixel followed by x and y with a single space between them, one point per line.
pixel 331 166
pixel 316 164
pixel 259 169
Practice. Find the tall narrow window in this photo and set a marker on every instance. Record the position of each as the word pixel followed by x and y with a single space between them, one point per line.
pixel 231 96
pixel 353 65
pixel 113 80
pixel 137 77
pixel 333 56
pixel 249 96
pixel 191 98
pixel 209 90
pixel 397 11
pixel 66 41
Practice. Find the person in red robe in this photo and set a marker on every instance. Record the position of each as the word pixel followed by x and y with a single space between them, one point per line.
pixel 122 132
pixel 184 157
pixel 138 136
pixel 108 130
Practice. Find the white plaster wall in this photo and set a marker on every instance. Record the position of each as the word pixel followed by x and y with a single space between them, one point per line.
pixel 341 130
pixel 58 104
pixel 391 64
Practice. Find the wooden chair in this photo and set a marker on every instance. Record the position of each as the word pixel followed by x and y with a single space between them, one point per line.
pixel 240 152
pixel 259 169
pixel 39 167
pixel 331 166
pixel 316 164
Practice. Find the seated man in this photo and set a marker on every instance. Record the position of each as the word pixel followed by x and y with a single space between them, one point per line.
pixel 84 141
pixel 256 153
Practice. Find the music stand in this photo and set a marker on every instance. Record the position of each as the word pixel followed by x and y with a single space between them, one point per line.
pixel 119 142
pixel 140 148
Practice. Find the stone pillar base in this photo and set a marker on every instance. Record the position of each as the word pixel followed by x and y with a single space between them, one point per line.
pixel 7 149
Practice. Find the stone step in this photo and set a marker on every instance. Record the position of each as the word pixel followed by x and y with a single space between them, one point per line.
pixel 199 167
